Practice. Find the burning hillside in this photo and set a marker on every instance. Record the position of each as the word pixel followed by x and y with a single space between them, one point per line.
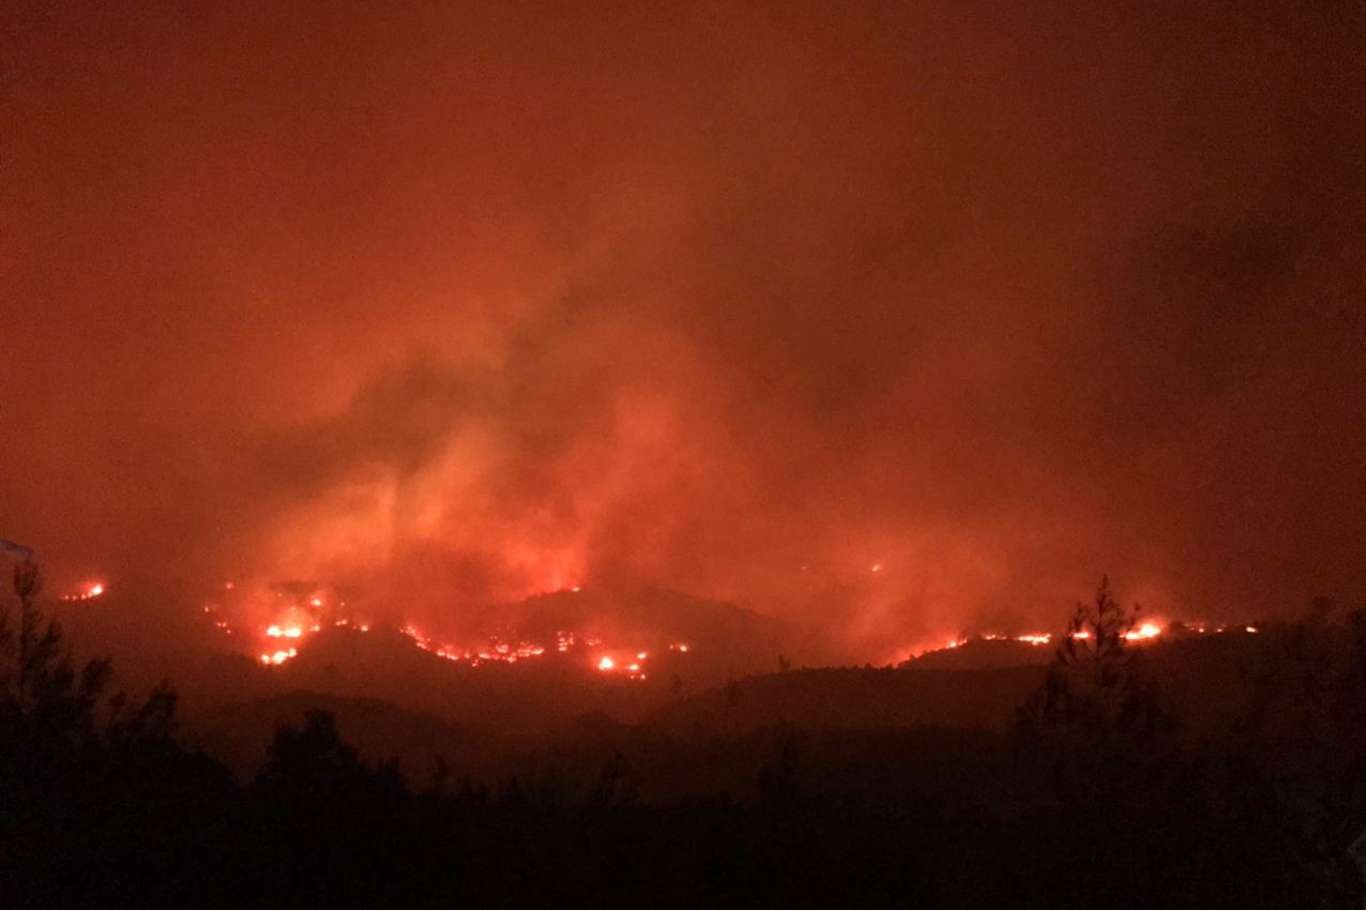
pixel 634 635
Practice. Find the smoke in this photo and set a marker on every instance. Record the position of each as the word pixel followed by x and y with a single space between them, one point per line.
pixel 463 308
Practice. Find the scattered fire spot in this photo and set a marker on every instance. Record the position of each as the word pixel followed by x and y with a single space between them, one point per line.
pixel 1145 631
pixel 89 592
pixel 278 657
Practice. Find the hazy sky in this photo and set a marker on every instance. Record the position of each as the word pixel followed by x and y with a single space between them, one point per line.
pixel 999 296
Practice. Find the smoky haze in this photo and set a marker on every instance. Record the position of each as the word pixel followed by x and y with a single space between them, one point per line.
pixel 464 306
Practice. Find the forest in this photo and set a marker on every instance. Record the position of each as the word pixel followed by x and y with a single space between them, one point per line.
pixel 1101 794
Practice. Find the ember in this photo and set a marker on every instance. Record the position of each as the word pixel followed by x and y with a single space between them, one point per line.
pixel 90 592
pixel 278 657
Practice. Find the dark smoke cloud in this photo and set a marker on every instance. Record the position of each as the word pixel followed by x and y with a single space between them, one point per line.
pixel 738 301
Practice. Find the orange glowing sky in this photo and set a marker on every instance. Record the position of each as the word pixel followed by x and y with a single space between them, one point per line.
pixel 743 301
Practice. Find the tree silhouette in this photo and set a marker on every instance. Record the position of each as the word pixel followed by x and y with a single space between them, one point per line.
pixel 49 709
pixel 1094 734
pixel 1091 690
pixel 90 782
pixel 311 758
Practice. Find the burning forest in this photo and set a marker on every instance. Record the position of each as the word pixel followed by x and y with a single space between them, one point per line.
pixel 630 454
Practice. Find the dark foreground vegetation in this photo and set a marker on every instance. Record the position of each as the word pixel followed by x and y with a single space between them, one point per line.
pixel 1101 797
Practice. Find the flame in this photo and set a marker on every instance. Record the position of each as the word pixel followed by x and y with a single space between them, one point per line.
pixel 1145 631
pixel 278 657
pixel 607 664
pixel 89 592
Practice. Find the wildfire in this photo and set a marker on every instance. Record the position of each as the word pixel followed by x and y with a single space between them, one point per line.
pixel 298 610
pixel 278 657
pixel 498 650
pixel 627 662
pixel 1143 632
pixel 89 592
pixel 632 670
pixel 1146 632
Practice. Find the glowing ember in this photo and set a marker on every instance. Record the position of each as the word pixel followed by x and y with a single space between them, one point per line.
pixel 90 592
pixel 279 657
pixel 300 610
pixel 1145 631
